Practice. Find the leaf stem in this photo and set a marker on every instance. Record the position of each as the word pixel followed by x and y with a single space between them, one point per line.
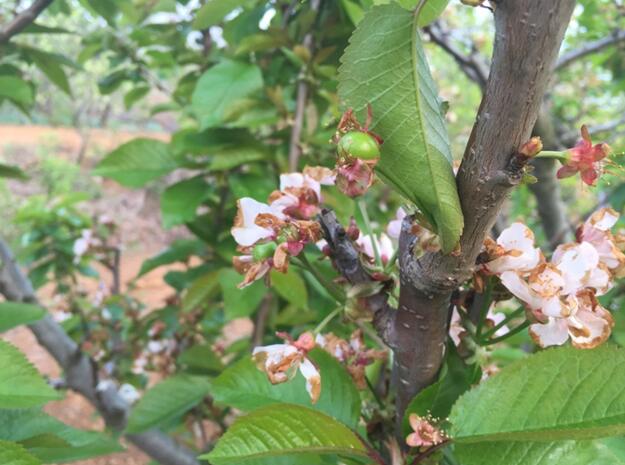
pixel 518 312
pixel 484 308
pixel 562 156
pixel 510 333
pixel 329 317
pixel 424 455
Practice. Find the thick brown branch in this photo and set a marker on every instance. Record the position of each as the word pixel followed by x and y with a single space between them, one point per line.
pixel 81 371
pixel 589 48
pixel 23 20
pixel 346 259
pixel 527 40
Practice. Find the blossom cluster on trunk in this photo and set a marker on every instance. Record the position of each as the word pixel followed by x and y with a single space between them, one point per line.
pixel 560 294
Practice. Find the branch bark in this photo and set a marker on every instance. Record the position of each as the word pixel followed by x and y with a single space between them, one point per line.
pixel 81 371
pixel 346 259
pixel 23 20
pixel 591 47
pixel 527 40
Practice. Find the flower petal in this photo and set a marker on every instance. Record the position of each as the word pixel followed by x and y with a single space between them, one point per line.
pixel 313 379
pixel 552 333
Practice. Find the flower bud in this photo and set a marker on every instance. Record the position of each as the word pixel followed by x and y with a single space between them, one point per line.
pixel 532 147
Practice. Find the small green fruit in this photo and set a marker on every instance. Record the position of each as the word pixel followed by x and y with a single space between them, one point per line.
pixel 263 251
pixel 358 144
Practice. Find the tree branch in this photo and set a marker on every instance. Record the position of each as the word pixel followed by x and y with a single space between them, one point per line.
pixel 527 40
pixel 551 208
pixel 589 48
pixel 81 372
pixel 300 103
pixel 472 65
pixel 23 20
pixel 571 137
pixel 346 259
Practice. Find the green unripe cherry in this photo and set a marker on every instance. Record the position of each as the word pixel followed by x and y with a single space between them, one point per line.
pixel 358 144
pixel 263 251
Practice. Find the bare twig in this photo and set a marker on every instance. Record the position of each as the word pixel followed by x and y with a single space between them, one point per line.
pixel 81 373
pixel 425 454
pixel 347 261
pixel 570 138
pixel 474 66
pixel 589 48
pixel 23 20
pixel 261 320
pixel 300 104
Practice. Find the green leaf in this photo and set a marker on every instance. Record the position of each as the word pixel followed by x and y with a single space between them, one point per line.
pixel 16 313
pixel 200 291
pixel 539 453
pixel 180 201
pixel 179 251
pixel 21 385
pixel 557 394
pixel 50 65
pixel 105 8
pixel 393 76
pixel 245 387
pixel 231 157
pixel 201 358
pixel 291 287
pixel 166 401
pixel 284 429
pixel 220 87
pixel 51 440
pixel 353 10
pixel 135 94
pixel 431 10
pixel 17 90
pixel 239 302
pixel 10 171
pixel 213 12
pixel 15 454
pixel 137 162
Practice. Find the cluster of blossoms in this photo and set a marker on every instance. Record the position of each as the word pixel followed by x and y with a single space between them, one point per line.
pixel 354 354
pixel 560 294
pixel 268 234
pixel 282 361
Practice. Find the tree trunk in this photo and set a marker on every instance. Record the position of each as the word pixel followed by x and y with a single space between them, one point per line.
pixel 527 40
